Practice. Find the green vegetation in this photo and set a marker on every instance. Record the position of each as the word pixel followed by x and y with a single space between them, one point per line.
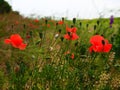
pixel 4 7
pixel 47 63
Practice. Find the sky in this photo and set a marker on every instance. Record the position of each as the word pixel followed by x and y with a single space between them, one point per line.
pixel 82 9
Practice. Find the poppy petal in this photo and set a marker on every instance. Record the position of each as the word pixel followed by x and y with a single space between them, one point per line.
pixel 22 46
pixel 107 47
pixel 7 41
pixel 74 36
pixel 66 36
pixel 96 40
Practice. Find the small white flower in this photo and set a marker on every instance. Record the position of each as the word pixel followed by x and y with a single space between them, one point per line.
pixel 56 35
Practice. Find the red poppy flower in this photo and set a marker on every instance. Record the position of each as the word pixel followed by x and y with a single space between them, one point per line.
pixel 71 36
pixel 60 22
pixel 73 29
pixel 28 36
pixel 99 44
pixel 48 25
pixel 36 20
pixel 16 22
pixel 72 56
pixel 16 41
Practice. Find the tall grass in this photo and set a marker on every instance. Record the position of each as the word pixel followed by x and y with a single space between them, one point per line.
pixel 46 63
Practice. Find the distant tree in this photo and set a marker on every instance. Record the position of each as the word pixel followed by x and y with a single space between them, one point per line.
pixel 4 7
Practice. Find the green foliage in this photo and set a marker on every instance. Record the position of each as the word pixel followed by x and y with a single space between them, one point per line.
pixel 44 64
pixel 4 7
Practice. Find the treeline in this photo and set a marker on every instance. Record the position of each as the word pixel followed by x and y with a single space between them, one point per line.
pixel 4 7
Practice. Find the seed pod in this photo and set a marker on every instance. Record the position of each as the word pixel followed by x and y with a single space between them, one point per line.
pixel 63 19
pixel 40 35
pixel 80 24
pixel 98 22
pixel 24 26
pixel 74 20
pixel 62 38
pixel 46 21
pixel 103 42
pixel 87 25
pixel 59 30
pixel 94 27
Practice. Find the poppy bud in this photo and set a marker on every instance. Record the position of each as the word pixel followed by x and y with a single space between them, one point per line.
pixel 94 27
pixel 96 33
pixel 103 42
pixel 63 19
pixel 24 26
pixel 102 35
pixel 59 31
pixel 62 38
pixel 98 22
pixel 76 43
pixel 40 35
pixel 114 35
pixel 57 24
pixel 80 24
pixel 72 26
pixel 12 26
pixel 87 25
pixel 74 20
pixel 46 21
pixel 31 33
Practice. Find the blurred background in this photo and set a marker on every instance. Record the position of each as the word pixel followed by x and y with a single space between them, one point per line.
pixel 83 9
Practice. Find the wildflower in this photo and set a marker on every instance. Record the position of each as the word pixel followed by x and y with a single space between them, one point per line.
pixel 36 20
pixel 48 25
pixel 71 33
pixel 16 41
pixel 99 44
pixel 60 22
pixel 16 22
pixel 111 21
pixel 71 36
pixel 72 55
pixel 73 29
pixel 56 35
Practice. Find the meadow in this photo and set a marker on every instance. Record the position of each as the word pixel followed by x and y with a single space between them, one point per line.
pixel 47 54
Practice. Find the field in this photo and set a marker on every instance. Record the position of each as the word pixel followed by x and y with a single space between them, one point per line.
pixel 47 54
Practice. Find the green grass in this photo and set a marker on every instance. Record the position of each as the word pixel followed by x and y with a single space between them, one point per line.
pixel 43 65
